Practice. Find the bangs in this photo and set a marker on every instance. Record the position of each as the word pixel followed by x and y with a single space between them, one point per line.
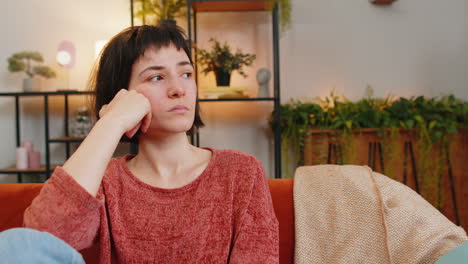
pixel 149 37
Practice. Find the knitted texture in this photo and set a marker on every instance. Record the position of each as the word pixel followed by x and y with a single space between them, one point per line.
pixel 224 216
pixel 349 214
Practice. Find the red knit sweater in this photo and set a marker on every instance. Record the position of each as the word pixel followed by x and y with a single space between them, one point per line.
pixel 224 216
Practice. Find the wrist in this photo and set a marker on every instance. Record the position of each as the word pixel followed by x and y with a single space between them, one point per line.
pixel 111 125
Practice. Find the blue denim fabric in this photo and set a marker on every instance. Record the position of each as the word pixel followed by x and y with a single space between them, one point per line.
pixel 24 245
pixel 458 255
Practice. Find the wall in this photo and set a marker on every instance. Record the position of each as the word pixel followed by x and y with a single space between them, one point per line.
pixel 41 26
pixel 416 47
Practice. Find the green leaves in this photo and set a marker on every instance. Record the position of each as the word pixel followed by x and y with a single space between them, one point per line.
pixel 431 121
pixel 15 65
pixel 437 116
pixel 44 71
pixel 349 124
pixel 155 11
pixel 285 8
pixel 28 55
pixel 22 61
pixel 221 58
pixel 408 124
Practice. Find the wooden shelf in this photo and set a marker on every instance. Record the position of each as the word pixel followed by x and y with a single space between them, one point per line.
pixel 14 170
pixel 70 92
pixel 228 5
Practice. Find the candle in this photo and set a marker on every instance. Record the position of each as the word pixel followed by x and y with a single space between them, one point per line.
pixel 34 159
pixel 28 145
pixel 21 158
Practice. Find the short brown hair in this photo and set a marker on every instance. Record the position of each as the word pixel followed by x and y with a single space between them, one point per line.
pixel 114 67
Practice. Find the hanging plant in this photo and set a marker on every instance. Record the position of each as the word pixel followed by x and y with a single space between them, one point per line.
pixel 391 150
pixel 154 12
pixel 285 8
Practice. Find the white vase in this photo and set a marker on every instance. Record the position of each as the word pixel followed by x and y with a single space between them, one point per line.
pixel 30 85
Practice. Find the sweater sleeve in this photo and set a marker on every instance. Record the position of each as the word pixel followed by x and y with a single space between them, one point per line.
pixel 65 209
pixel 257 240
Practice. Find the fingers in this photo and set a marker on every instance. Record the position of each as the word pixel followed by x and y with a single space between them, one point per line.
pixel 147 122
pixel 120 92
pixel 133 131
pixel 131 121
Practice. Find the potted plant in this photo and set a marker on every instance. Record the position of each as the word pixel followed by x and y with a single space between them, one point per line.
pixel 154 12
pixel 22 61
pixel 432 125
pixel 222 61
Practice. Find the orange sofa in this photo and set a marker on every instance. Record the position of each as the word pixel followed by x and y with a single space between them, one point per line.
pixel 15 198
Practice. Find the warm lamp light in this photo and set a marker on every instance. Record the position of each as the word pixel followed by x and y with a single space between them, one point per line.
pixel 63 58
pixel 66 54
pixel 66 58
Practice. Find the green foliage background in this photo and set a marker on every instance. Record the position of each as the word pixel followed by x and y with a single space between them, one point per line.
pixel 431 120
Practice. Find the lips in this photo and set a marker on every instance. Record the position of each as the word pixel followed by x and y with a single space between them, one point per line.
pixel 178 109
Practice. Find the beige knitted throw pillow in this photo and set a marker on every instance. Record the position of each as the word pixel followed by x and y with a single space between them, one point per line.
pixel 349 214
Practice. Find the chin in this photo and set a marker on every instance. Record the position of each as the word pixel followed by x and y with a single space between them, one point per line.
pixel 171 128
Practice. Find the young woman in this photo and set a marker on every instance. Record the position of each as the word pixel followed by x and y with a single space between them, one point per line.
pixel 172 202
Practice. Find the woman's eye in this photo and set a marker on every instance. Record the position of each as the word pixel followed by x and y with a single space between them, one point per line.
pixel 187 75
pixel 156 78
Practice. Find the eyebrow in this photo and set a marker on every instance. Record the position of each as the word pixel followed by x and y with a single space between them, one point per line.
pixel 158 68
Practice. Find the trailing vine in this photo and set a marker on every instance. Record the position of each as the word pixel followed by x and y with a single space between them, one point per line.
pixel 430 122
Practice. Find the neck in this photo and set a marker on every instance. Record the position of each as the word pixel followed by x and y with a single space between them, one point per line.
pixel 163 156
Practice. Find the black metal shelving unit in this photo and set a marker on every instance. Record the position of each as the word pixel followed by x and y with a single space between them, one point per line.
pixel 47 168
pixel 201 6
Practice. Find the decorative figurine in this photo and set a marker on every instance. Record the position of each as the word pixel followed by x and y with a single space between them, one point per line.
pixel 263 79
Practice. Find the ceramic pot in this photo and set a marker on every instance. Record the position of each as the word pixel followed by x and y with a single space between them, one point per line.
pixel 223 78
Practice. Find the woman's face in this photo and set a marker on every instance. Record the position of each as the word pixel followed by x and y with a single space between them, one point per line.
pixel 165 77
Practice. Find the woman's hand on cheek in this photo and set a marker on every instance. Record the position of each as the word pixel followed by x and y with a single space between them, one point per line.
pixel 130 109
pixel 144 125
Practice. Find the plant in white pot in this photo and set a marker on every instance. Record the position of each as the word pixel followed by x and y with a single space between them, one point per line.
pixel 22 61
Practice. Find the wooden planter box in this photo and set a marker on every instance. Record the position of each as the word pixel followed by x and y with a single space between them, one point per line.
pixel 365 147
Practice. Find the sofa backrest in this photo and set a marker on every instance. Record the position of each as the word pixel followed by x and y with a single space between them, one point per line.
pixel 15 198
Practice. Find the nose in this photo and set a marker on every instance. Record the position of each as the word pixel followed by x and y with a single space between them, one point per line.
pixel 176 89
